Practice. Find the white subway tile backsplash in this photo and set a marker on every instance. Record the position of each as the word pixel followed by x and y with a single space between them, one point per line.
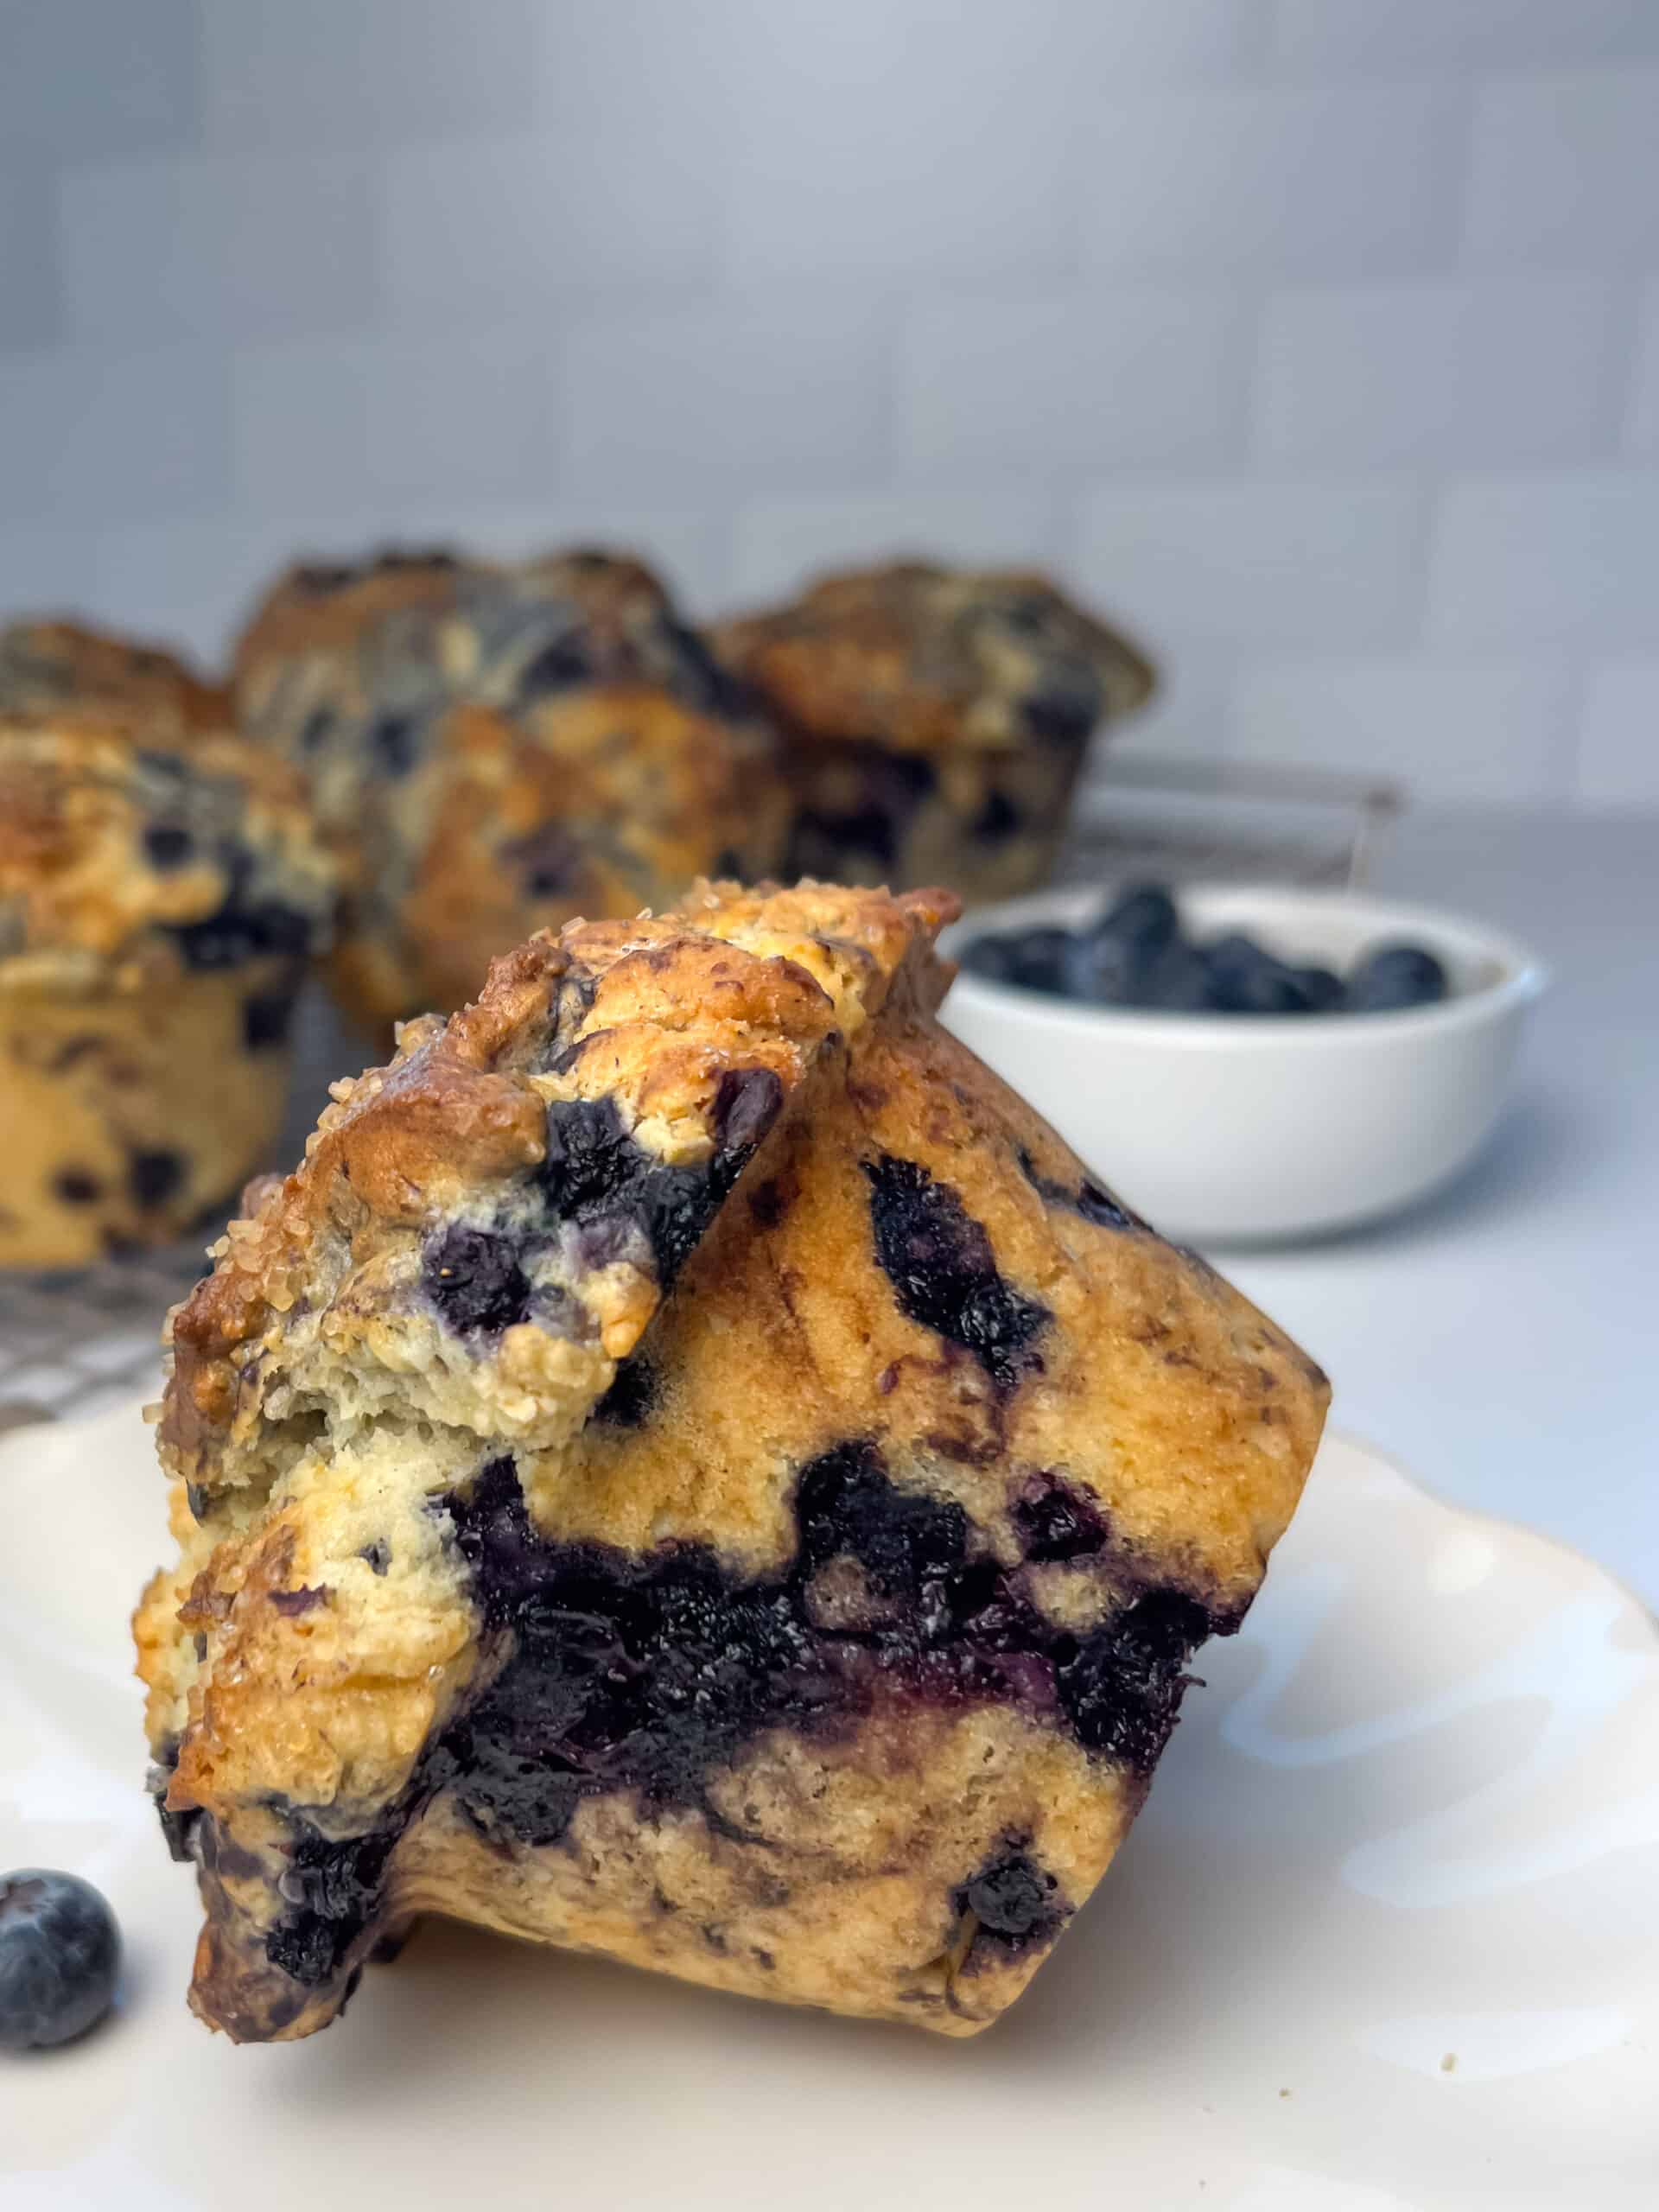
pixel 29 315
pixel 95 79
pixel 1132 42
pixel 95 438
pixel 1618 735
pixel 1545 560
pixel 922 139
pixel 323 426
pixel 1258 562
pixel 1137 376
pixel 1346 180
pixel 780 544
pixel 493 225
pixel 1302 335
pixel 360 73
pixel 1561 167
pixel 1366 36
pixel 1641 426
pixel 1441 374
pixel 792 392
pixel 45 570
pixel 204 248
pixel 1467 730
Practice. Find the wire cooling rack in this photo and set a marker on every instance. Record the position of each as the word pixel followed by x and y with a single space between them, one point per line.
pixel 78 1343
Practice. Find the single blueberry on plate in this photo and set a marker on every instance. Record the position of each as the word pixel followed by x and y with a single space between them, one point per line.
pixel 59 1949
pixel 1395 976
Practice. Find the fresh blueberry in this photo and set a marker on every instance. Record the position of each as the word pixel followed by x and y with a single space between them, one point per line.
pixel 1177 981
pixel 1145 918
pixel 1100 968
pixel 1325 991
pixel 59 1952
pixel 1037 958
pixel 1245 978
pixel 1393 977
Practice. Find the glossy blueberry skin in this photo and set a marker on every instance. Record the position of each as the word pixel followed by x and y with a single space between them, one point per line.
pixel 60 1952
pixel 1395 976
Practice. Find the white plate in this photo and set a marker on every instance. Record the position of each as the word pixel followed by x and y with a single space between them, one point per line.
pixel 1384 1937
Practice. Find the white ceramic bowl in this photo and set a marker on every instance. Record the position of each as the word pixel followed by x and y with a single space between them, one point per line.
pixel 1247 1128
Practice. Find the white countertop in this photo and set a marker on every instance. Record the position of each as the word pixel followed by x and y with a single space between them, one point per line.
pixel 1502 1340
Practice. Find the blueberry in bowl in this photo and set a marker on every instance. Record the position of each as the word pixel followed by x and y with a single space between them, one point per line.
pixel 1133 952
pixel 1258 1062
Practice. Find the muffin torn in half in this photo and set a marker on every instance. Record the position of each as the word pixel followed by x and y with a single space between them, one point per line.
pixel 691 1468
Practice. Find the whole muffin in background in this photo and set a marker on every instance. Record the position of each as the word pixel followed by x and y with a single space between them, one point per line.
pixel 160 897
pixel 496 749
pixel 935 720
pixel 48 662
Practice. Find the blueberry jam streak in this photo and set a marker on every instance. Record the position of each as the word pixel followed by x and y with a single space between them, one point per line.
pixel 939 1262
pixel 648 1671
pixel 651 1671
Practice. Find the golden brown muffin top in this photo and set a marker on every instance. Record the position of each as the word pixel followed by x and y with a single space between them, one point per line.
pixel 48 662
pixel 482 1230
pixel 920 657
pixel 120 844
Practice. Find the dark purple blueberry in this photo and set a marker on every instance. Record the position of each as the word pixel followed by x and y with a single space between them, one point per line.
pixel 154 1176
pixel 378 1555
pixel 333 1888
pixel 1056 1522
pixel 1015 1899
pixel 558 667
pixel 1246 978
pixel 168 845
pixel 992 957
pixel 746 1106
pixel 701 679
pixel 996 821
pixel 1325 991
pixel 631 1396
pixel 905 1540
pixel 474 1279
pixel 1177 981
pixel 1037 958
pixel 1120 1689
pixel 391 743
pixel 59 1951
pixel 1144 917
pixel 1067 705
pixel 1395 976
pixel 1100 968
pixel 548 858
pixel 317 729
pixel 939 1262
pixel 76 1187
pixel 266 1019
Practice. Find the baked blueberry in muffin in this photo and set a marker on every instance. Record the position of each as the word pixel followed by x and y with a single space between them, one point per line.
pixel 936 720
pixel 160 896
pixel 496 749
pixel 49 664
pixel 692 1469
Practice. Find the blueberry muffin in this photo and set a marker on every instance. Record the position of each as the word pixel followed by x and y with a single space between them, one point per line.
pixel 48 664
pixel 159 898
pixel 936 721
pixel 496 750
pixel 691 1468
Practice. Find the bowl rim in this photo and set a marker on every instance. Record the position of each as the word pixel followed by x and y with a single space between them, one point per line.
pixel 1523 979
